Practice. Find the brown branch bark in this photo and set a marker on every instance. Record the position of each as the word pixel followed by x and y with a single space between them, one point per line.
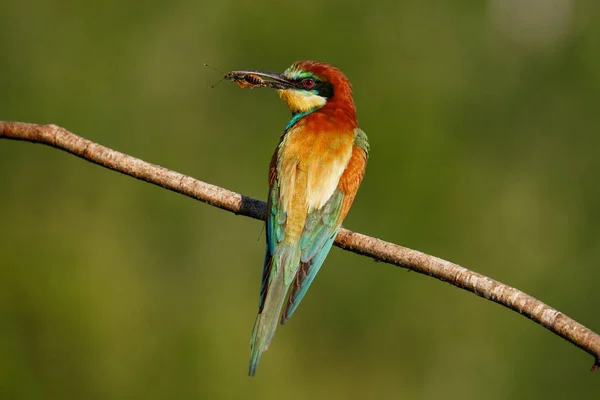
pixel 377 249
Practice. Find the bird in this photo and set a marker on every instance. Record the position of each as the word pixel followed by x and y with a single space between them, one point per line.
pixel 314 175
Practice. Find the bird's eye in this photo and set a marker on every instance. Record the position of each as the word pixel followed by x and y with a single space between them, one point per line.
pixel 308 83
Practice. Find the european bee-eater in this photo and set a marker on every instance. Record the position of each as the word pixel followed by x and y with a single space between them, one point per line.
pixel 313 177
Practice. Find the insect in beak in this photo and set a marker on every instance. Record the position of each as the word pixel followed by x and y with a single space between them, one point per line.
pixel 252 79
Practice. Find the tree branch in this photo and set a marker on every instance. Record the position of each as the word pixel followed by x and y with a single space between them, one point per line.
pixel 377 249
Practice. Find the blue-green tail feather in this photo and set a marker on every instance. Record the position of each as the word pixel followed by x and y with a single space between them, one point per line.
pixel 266 321
pixel 273 296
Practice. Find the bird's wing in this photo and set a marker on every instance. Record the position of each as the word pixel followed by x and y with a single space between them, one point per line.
pixel 321 228
pixel 275 224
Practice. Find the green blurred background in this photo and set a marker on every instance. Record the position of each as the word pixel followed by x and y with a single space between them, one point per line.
pixel 483 118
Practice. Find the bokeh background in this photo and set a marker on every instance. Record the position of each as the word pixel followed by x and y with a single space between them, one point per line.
pixel 483 118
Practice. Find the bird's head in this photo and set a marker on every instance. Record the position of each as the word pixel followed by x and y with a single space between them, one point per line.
pixel 307 86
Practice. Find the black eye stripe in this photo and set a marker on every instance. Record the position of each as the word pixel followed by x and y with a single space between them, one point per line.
pixel 322 88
